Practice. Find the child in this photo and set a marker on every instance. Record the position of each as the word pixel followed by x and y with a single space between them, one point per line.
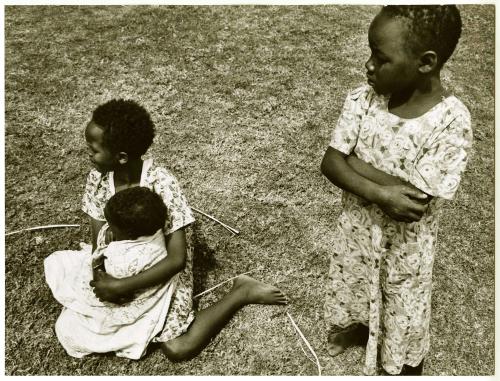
pixel 119 133
pixel 86 325
pixel 399 149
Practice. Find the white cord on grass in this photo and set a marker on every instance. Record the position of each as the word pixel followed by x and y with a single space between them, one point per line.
pixel 289 316
pixel 225 226
pixel 306 342
pixel 221 283
pixel 43 227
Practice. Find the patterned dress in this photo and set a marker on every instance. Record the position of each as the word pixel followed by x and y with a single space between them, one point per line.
pixel 380 269
pixel 100 188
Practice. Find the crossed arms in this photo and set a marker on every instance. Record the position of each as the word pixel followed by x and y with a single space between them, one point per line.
pixel 398 199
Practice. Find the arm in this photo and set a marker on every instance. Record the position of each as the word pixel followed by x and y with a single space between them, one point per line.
pixel 377 176
pixel 95 226
pixel 372 173
pixel 395 200
pixel 112 289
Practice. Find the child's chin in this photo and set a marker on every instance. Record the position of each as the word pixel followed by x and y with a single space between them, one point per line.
pixel 378 90
pixel 99 169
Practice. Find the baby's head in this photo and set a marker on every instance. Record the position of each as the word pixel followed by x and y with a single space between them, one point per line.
pixel 120 130
pixel 135 212
pixel 408 41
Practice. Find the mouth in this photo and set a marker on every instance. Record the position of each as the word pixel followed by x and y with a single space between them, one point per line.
pixel 370 81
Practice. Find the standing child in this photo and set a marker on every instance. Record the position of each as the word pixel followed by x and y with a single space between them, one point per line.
pixel 136 217
pixel 119 133
pixel 398 150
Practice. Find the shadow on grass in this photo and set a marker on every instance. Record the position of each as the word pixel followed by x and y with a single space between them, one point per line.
pixel 203 258
pixel 203 261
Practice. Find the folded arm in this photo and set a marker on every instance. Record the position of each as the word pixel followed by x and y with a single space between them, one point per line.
pixel 112 289
pixel 95 227
pixel 377 176
pixel 394 197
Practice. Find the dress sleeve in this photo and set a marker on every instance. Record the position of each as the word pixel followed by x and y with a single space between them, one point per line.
pixel 179 212
pixel 439 168
pixel 94 200
pixel 345 134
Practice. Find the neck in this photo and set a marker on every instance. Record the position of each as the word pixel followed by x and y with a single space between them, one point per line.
pixel 119 235
pixel 129 173
pixel 427 88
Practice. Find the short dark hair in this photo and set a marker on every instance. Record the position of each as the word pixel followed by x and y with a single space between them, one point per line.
pixel 127 126
pixel 430 27
pixel 136 211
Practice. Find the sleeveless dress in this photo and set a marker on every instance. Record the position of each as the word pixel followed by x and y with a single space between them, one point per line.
pixel 380 269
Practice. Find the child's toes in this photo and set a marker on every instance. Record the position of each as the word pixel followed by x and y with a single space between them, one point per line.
pixel 335 349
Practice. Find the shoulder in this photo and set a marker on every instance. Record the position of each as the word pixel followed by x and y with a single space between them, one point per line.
pixel 97 183
pixel 96 194
pixel 457 117
pixel 457 109
pixel 360 98
pixel 162 180
pixel 159 174
pixel 364 93
pixel 94 176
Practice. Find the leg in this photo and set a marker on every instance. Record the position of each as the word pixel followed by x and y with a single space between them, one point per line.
pixel 211 320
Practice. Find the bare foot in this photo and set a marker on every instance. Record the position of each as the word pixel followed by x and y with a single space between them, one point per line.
pixel 353 335
pixel 337 343
pixel 256 292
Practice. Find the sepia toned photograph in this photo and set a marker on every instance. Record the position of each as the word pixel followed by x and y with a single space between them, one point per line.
pixel 252 190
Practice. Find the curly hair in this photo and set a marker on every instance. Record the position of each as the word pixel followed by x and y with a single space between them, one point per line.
pixel 136 211
pixel 430 27
pixel 127 126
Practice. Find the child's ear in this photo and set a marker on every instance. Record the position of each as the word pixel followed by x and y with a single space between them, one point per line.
pixel 122 157
pixel 428 62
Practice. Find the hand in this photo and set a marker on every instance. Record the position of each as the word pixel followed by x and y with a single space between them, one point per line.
pixel 98 264
pixel 403 202
pixel 108 288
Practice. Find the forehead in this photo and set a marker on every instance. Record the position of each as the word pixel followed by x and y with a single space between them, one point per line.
pixel 94 133
pixel 388 34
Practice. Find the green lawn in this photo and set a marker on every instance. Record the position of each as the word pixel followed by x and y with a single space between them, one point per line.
pixel 244 99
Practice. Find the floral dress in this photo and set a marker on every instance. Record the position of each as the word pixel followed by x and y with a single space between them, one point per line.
pixel 380 269
pixel 100 188
pixel 86 325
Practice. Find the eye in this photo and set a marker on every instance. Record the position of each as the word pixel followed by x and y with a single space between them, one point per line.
pixel 382 59
pixel 378 57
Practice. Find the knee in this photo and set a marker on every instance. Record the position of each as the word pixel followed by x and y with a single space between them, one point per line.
pixel 177 351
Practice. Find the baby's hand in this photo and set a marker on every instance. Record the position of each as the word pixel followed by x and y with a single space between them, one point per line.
pixel 98 266
pixel 403 202
pixel 98 263
pixel 108 288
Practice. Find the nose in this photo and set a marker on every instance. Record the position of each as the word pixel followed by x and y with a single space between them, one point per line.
pixel 369 65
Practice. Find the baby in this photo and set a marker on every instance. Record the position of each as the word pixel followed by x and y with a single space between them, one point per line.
pixel 135 216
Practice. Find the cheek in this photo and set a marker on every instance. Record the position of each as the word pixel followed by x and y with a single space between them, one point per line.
pixel 99 158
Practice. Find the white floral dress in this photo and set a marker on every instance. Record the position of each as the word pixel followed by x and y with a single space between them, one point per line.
pixel 100 188
pixel 86 325
pixel 380 269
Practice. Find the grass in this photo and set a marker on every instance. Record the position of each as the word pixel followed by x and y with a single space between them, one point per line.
pixel 244 99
